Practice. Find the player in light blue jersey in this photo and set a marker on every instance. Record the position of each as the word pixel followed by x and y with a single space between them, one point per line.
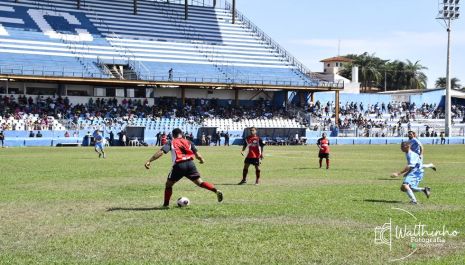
pixel 413 174
pixel 99 144
pixel 417 147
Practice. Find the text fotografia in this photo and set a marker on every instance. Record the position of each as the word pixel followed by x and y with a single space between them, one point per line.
pixel 420 234
pixel 411 237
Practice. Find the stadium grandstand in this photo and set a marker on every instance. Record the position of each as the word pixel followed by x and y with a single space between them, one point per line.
pixel 137 68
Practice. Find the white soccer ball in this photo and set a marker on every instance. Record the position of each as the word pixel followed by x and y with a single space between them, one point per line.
pixel 183 202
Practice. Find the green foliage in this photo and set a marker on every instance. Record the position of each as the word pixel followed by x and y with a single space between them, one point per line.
pixel 455 83
pixel 54 207
pixel 380 73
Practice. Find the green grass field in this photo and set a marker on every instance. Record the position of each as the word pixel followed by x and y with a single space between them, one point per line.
pixel 54 208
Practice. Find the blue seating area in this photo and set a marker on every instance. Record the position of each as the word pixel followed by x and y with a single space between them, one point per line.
pixel 59 40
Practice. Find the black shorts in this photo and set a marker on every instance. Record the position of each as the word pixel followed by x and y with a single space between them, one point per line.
pixel 323 155
pixel 252 161
pixel 185 169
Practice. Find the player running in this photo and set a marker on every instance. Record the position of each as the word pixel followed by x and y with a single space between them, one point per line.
pixel 417 147
pixel 323 146
pixel 99 144
pixel 255 153
pixel 413 174
pixel 182 153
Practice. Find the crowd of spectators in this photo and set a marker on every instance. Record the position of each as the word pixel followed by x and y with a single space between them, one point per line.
pixel 388 119
pixel 378 120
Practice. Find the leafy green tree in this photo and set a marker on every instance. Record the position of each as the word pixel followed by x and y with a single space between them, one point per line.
pixel 455 83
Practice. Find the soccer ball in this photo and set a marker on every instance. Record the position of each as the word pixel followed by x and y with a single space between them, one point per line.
pixel 183 202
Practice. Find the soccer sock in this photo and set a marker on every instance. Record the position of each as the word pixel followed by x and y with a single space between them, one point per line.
pixel 417 189
pixel 208 186
pixel 168 193
pixel 244 174
pixel 411 195
pixel 428 165
pixel 257 174
pixel 327 163
pixel 321 160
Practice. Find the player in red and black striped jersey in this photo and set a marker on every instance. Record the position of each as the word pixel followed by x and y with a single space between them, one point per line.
pixel 255 154
pixel 183 153
pixel 323 147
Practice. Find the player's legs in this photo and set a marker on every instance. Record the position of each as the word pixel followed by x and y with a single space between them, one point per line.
pixel 245 171
pixel 406 188
pixel 102 149
pixel 414 185
pixel 97 150
pixel 168 191
pixel 208 186
pixel 430 165
pixel 327 161
pixel 257 174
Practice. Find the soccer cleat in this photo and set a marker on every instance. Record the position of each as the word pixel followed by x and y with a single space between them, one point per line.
pixel 99 155
pixel 104 156
pixel 413 202
pixel 433 167
pixel 427 192
pixel 242 182
pixel 219 195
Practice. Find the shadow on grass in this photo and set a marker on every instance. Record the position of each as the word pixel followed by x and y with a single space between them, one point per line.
pixel 137 209
pixel 381 201
pixel 227 184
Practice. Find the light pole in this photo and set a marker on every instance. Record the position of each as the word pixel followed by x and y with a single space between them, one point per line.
pixel 449 10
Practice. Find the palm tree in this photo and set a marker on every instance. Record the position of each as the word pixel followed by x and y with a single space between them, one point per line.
pixel 369 66
pixel 415 78
pixel 455 83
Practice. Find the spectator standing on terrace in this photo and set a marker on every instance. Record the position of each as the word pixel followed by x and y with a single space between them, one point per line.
pixel 31 134
pixel 226 138
pixel 2 138
pixel 443 138
pixel 112 138
pixel 204 139
pixel 124 139
pixel 158 136
pixel 218 139
pixel 170 74
pixel 39 134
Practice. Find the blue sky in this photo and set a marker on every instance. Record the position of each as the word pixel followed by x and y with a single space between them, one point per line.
pixel 392 29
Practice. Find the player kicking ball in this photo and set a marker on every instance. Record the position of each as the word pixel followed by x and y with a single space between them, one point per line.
pixel 99 145
pixel 413 174
pixel 254 156
pixel 183 153
pixel 323 147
